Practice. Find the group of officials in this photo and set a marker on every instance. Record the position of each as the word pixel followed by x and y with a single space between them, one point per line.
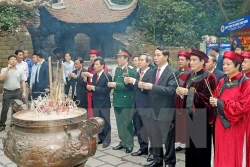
pixel 200 107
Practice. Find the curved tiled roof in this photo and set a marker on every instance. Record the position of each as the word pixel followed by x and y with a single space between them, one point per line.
pixel 92 11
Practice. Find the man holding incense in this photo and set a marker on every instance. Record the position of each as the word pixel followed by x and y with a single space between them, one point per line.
pixel 232 102
pixel 122 102
pixel 196 92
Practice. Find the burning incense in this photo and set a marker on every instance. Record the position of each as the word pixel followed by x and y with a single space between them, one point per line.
pixel 50 78
pixel 208 86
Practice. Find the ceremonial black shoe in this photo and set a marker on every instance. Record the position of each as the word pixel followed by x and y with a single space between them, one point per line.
pixel 105 145
pixel 139 153
pixel 119 147
pixel 100 142
pixel 2 128
pixel 154 164
pixel 178 149
pixel 169 165
pixel 129 150
pixel 150 158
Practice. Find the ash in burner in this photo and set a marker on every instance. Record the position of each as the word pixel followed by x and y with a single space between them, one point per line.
pixel 46 106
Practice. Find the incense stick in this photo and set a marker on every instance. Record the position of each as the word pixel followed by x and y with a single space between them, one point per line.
pixel 176 80
pixel 208 86
pixel 106 76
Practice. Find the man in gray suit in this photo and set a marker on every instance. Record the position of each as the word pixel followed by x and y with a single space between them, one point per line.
pixel 161 86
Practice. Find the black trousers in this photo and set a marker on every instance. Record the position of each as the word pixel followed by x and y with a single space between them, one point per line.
pixel 105 135
pixel 198 151
pixel 8 96
pixel 142 133
pixel 163 131
pixel 67 87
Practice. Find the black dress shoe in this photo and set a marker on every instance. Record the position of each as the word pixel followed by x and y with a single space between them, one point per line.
pixel 154 164
pixel 119 147
pixel 169 165
pixel 105 145
pixel 100 142
pixel 139 153
pixel 2 128
pixel 129 150
pixel 150 158
pixel 178 149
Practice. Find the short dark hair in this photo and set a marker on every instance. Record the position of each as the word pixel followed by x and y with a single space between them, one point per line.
pixel 215 48
pixel 236 63
pixel 213 58
pixel 164 50
pixel 80 59
pixel 240 46
pixel 68 54
pixel 102 62
pixel 135 57
pixel 39 54
pixel 10 56
pixel 18 51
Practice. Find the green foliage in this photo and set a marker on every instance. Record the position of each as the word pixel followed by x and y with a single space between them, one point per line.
pixel 183 22
pixel 11 17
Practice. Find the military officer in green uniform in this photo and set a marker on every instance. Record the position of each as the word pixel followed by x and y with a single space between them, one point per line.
pixel 122 102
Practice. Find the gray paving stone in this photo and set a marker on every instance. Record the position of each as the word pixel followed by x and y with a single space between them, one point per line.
pixel 93 162
pixel 1 152
pixel 129 164
pixel 180 156
pixel 99 154
pixel 180 164
pixel 12 165
pixel 106 166
pixel 139 160
pixel 5 160
pixel 111 160
pixel 116 153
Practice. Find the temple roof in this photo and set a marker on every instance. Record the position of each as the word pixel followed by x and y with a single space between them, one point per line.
pixel 92 11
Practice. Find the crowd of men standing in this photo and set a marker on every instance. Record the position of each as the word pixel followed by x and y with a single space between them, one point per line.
pixel 202 106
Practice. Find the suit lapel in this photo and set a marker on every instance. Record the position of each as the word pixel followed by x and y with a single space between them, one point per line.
pixel 163 74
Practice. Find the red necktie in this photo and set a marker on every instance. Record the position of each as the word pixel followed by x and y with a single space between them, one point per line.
pixel 97 78
pixel 157 76
pixel 141 75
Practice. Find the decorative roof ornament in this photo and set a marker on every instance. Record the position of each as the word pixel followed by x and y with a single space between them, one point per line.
pixel 59 5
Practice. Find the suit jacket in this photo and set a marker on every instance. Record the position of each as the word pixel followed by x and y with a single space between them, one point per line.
pixel 81 90
pixel 161 97
pixel 43 78
pixel 101 95
pixel 219 63
pixel 140 96
pixel 218 74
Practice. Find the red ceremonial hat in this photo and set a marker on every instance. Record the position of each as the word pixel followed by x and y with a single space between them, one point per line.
pixel 93 51
pixel 245 55
pixel 233 56
pixel 183 53
pixel 199 54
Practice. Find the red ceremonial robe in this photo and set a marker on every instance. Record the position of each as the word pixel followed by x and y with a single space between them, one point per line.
pixel 180 124
pixel 248 75
pixel 231 120
pixel 196 103
pixel 90 104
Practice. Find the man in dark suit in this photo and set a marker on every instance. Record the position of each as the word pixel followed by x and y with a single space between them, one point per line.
pixel 161 86
pixel 40 77
pixel 215 52
pixel 101 99
pixel 78 83
pixel 210 66
pixel 140 102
